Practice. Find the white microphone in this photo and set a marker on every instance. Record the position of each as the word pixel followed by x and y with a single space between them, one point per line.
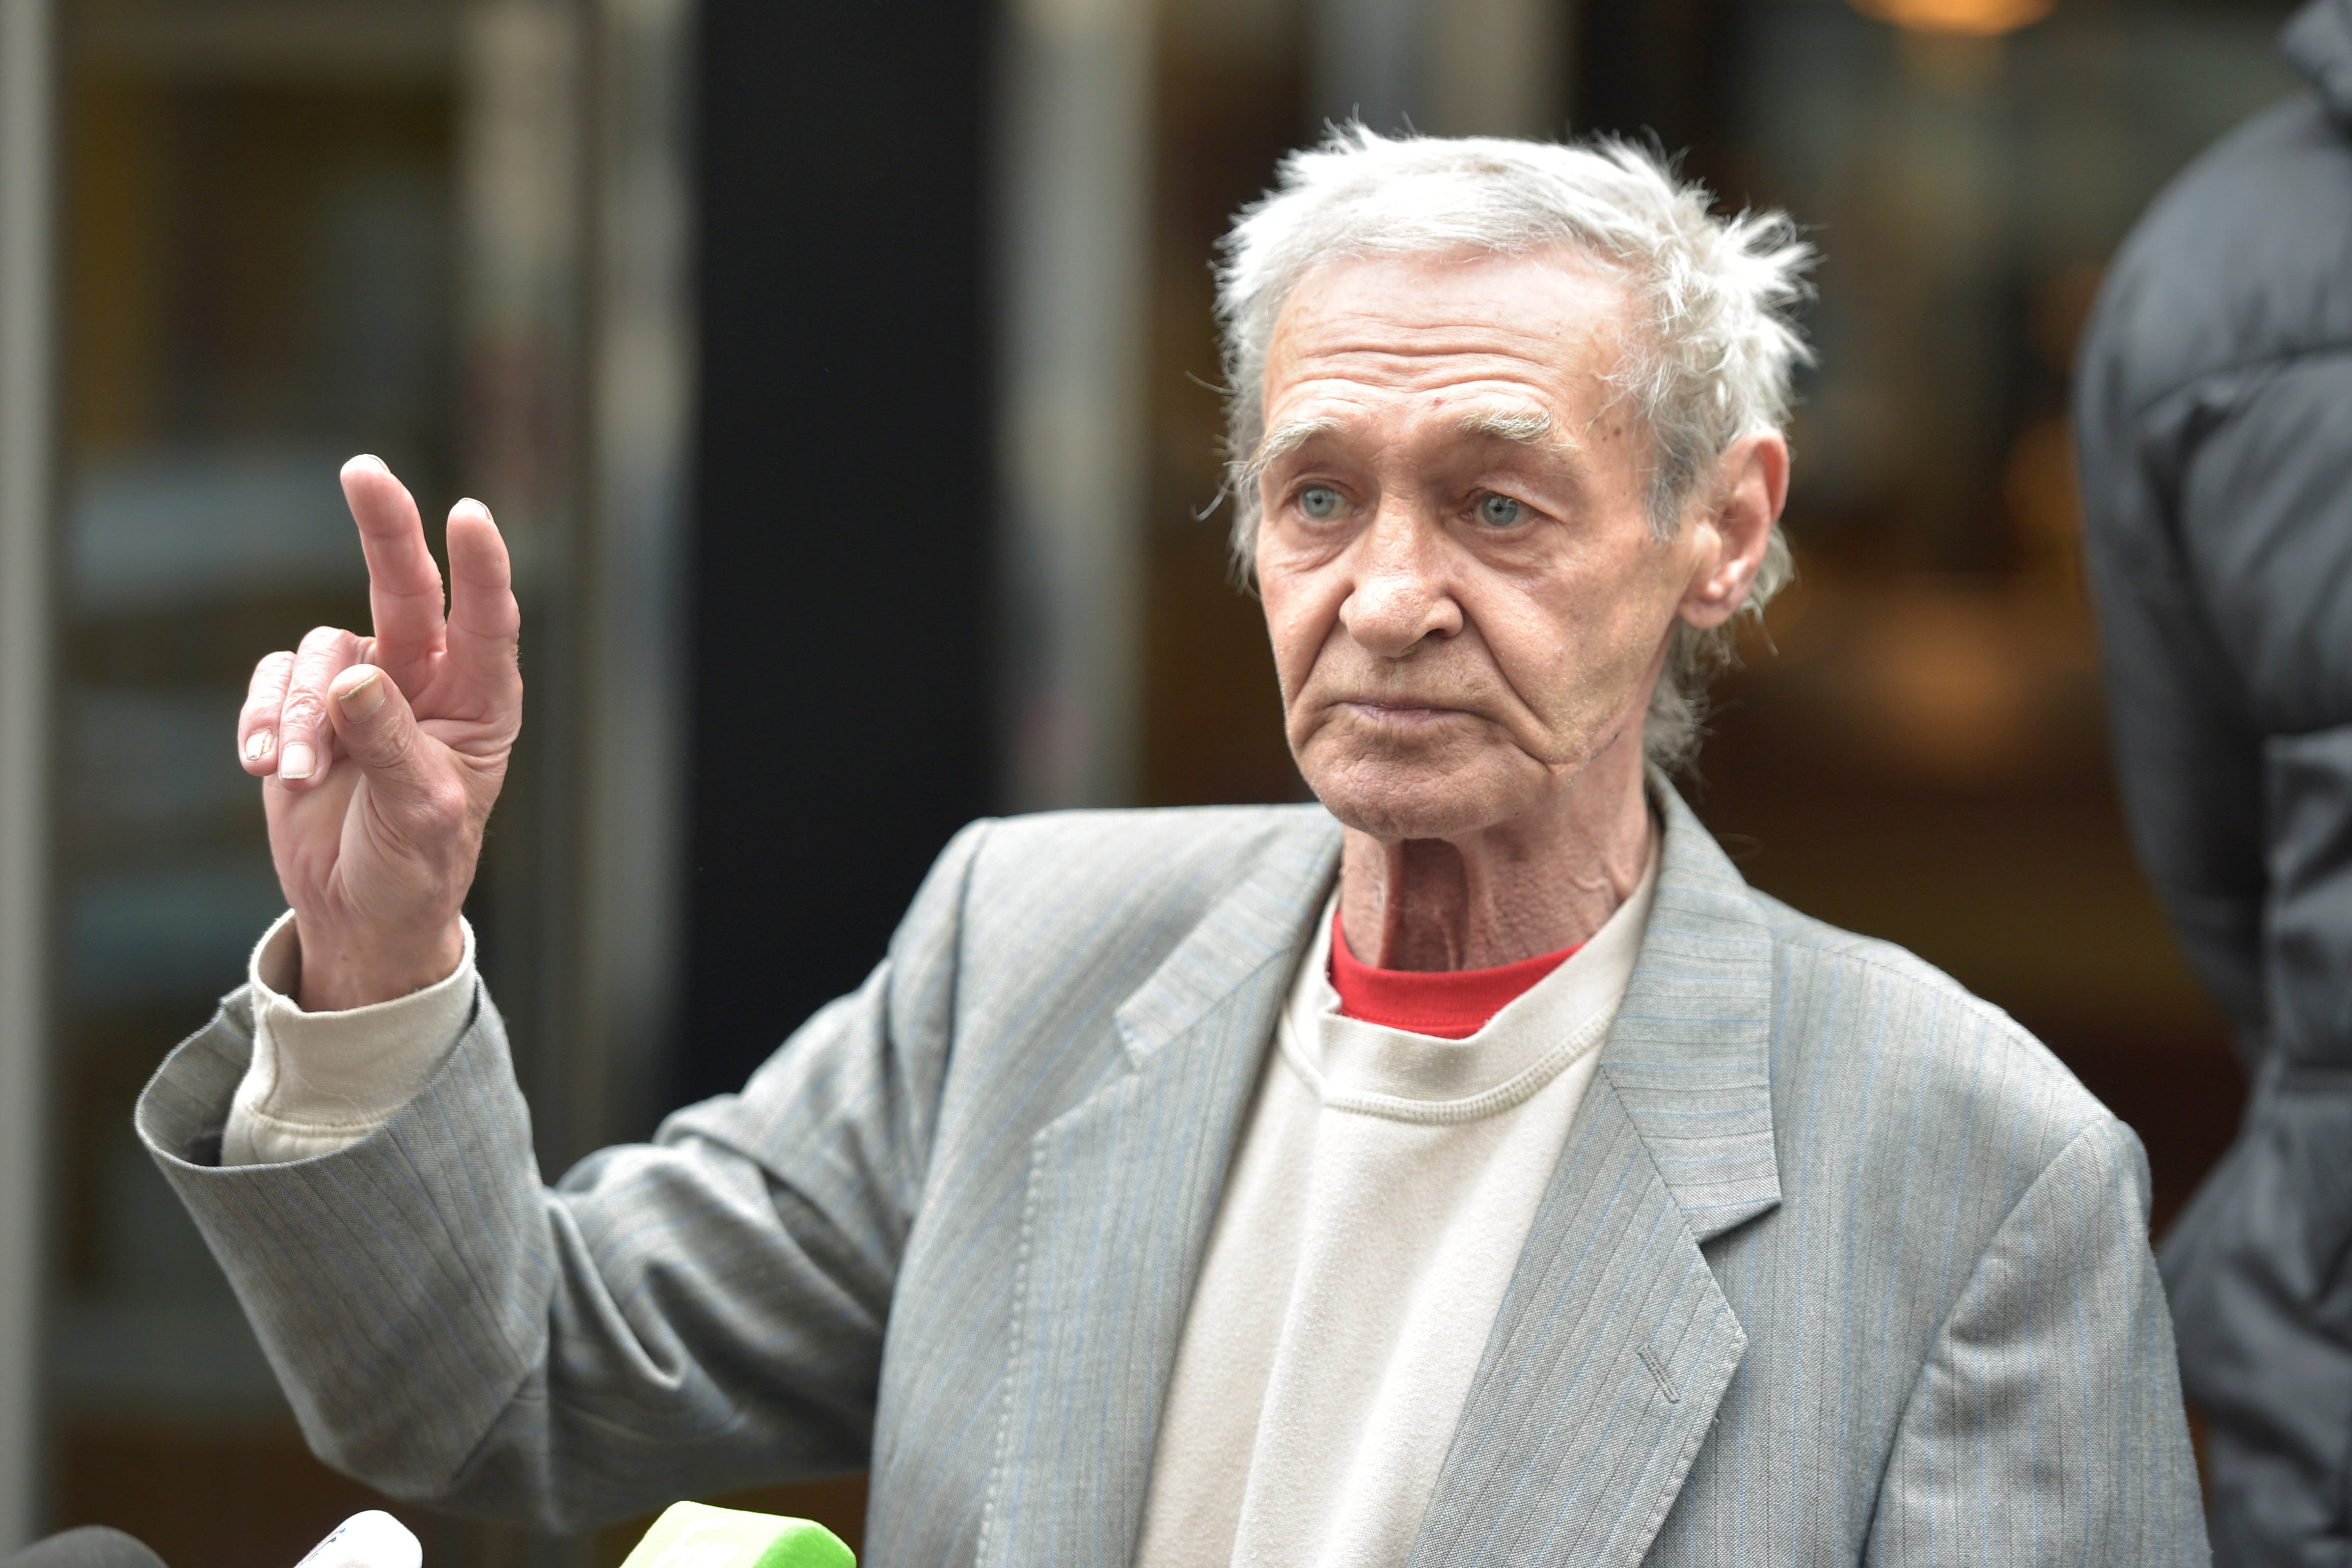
pixel 370 1540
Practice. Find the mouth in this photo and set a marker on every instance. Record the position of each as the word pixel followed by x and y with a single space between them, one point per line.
pixel 1389 710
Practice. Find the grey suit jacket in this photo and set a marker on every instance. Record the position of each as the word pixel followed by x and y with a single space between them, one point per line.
pixel 1838 1265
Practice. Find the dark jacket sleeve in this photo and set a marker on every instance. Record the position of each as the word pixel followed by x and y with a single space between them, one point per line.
pixel 2222 547
pixel 2188 755
pixel 2211 410
pixel 2266 525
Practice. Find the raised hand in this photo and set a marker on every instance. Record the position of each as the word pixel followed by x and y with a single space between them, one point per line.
pixel 381 755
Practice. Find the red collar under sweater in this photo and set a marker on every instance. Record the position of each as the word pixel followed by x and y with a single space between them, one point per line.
pixel 1449 1004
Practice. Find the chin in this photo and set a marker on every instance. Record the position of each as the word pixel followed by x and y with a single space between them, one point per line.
pixel 1393 803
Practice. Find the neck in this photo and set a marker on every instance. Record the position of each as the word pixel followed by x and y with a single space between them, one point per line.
pixel 1536 883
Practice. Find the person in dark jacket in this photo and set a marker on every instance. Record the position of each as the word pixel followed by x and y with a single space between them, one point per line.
pixel 2214 412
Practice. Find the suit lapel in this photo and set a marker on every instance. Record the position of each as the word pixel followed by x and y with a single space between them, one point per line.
pixel 1613 1345
pixel 1690 1052
pixel 1120 1195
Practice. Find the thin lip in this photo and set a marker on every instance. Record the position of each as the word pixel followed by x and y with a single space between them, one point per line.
pixel 1398 709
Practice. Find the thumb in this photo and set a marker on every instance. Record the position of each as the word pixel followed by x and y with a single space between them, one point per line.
pixel 378 729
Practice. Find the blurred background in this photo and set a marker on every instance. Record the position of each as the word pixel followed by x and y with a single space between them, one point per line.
pixel 845 380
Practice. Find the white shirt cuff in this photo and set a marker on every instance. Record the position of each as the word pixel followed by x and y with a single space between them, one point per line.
pixel 321 1082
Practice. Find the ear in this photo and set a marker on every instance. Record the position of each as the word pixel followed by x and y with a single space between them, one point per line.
pixel 1733 527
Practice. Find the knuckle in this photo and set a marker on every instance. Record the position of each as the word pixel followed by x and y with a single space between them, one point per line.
pixel 441 806
pixel 303 711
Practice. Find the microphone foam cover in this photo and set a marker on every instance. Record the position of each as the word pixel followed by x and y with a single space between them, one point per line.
pixel 372 1539
pixel 696 1535
pixel 91 1546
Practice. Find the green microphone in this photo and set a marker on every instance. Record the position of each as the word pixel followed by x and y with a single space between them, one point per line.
pixel 696 1535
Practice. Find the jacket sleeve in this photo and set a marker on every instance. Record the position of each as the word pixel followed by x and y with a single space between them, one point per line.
pixel 2221 540
pixel 2188 747
pixel 674 1318
pixel 2046 1425
pixel 2265 487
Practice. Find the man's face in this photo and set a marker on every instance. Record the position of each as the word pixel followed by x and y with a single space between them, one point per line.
pixel 1467 599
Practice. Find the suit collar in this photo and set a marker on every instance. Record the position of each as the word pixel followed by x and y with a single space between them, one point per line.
pixel 1610 1352
pixel 1116 1220
pixel 1613 1344
pixel 1690 1052
pixel 1270 918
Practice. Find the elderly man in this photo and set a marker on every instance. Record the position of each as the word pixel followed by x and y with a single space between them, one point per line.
pixel 1468 1169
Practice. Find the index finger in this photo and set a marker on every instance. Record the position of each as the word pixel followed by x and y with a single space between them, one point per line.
pixel 404 584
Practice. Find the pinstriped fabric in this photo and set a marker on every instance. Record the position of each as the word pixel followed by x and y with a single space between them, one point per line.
pixel 1132 1174
pixel 375 1276
pixel 1614 1341
pixel 1689 1052
pixel 1837 1265
pixel 1957 1348
pixel 1599 1383
pixel 1081 1187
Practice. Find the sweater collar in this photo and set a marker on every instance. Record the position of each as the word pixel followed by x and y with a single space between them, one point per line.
pixel 1688 1055
pixel 1356 1064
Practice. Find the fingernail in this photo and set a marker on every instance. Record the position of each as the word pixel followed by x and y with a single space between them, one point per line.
pixel 295 762
pixel 257 745
pixel 362 697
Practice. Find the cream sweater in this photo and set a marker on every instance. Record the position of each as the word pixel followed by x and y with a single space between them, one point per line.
pixel 320 1080
pixel 1383 1187
pixel 1376 1206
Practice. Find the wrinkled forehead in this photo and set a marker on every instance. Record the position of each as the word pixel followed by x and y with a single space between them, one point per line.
pixel 1544 328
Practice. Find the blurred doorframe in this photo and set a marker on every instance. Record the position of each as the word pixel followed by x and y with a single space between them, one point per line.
pixel 1073 91
pixel 577 212
pixel 26 237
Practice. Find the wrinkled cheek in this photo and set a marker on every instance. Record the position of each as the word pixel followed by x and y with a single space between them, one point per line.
pixel 1586 708
pixel 1285 633
pixel 1300 642
pixel 1286 680
pixel 1311 729
pixel 1292 687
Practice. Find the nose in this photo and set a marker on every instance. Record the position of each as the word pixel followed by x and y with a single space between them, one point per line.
pixel 1399 597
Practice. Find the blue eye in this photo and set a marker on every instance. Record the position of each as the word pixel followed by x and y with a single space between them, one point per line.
pixel 1499 511
pixel 1320 501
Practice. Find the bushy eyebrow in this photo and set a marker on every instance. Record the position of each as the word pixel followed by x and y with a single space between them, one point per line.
pixel 1527 429
pixel 1283 440
pixel 1524 429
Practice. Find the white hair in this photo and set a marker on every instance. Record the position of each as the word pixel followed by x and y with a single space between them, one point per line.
pixel 1707 363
